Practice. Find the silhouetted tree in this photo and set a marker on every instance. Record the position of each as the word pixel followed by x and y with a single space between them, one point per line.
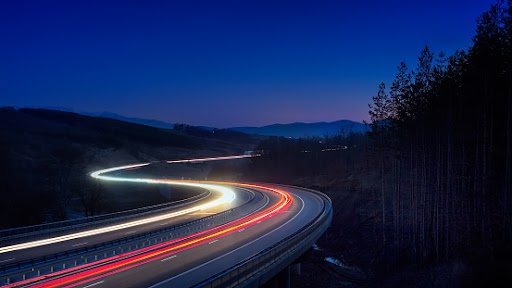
pixel 91 195
pixel 449 126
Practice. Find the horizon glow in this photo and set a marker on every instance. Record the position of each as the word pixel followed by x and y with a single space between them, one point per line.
pixel 222 63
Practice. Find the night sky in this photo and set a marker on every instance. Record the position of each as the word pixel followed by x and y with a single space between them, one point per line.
pixel 219 63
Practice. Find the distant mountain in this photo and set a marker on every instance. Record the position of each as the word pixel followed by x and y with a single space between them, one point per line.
pixel 104 114
pixel 147 122
pixel 298 130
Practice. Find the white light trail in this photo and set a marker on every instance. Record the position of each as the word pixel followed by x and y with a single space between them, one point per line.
pixel 227 196
pixel 213 158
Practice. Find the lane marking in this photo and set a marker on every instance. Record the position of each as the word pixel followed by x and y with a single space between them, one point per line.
pixel 79 244
pixel 241 230
pixel 161 284
pixel 203 213
pixel 94 284
pixel 288 198
pixel 131 232
pixel 213 241
pixel 164 224
pixel 168 258
pixel 7 260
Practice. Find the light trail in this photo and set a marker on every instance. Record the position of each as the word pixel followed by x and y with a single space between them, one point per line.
pixel 160 251
pixel 90 272
pixel 227 196
pixel 213 159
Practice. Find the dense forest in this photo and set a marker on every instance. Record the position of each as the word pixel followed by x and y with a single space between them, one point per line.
pixel 442 136
pixel 433 176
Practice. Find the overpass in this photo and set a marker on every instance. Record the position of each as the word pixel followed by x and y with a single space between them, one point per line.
pixel 228 235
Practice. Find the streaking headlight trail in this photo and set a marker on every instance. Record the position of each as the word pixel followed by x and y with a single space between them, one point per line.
pixel 227 196
pixel 212 159
pixel 87 273
pixel 81 274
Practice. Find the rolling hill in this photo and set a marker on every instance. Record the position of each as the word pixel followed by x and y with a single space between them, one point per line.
pixel 298 129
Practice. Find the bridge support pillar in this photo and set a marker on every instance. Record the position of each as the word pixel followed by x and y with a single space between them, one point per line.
pixel 295 269
pixel 281 280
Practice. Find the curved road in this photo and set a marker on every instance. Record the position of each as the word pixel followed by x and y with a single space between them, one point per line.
pixel 272 213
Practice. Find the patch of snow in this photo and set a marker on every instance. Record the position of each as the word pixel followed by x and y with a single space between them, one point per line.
pixel 335 262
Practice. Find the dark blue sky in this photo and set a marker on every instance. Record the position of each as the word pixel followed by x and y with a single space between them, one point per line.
pixel 219 63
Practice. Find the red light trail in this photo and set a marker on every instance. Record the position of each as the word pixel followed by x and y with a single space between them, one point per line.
pixel 136 258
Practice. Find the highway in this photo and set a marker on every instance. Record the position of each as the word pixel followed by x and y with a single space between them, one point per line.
pixel 32 249
pixel 255 216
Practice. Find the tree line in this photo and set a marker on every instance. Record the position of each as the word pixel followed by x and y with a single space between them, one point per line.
pixel 442 146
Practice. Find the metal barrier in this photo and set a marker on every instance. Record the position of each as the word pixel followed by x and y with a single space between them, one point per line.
pixel 252 272
pixel 261 267
pixel 9 235
pixel 72 258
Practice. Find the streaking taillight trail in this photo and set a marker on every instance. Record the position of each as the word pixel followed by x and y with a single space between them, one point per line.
pixel 93 271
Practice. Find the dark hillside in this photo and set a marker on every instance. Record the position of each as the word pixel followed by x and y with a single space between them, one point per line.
pixel 105 130
pixel 45 156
